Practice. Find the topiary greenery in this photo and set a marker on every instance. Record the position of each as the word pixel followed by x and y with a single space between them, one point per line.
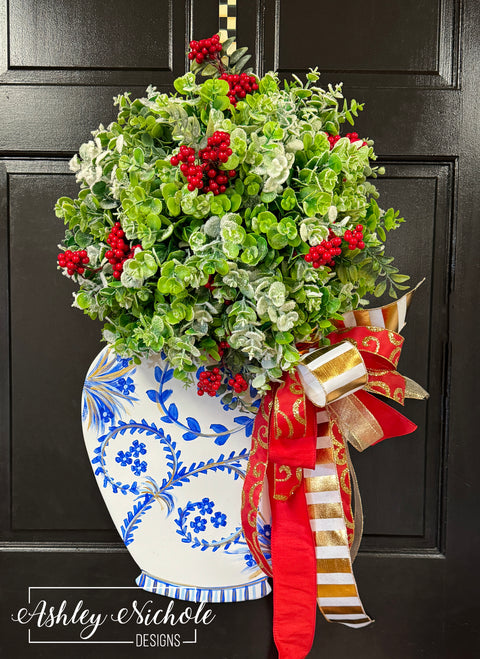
pixel 227 266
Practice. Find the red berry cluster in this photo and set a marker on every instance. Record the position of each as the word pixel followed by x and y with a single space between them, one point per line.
pixel 193 172
pixel 240 85
pixel 238 383
pixel 205 49
pixel 333 139
pixel 209 382
pixel 121 250
pixel 217 149
pixel 222 346
pixel 353 137
pixel 206 176
pixel 73 261
pixel 324 253
pixel 355 238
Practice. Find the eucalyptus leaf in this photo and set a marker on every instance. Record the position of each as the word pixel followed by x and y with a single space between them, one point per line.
pixel 237 54
pixel 241 63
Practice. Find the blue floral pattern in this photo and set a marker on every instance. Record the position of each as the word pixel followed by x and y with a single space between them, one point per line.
pixel 178 473
pixel 232 544
pixel 123 458
pixel 193 429
pixel 205 506
pixel 139 467
pixel 125 385
pixel 109 389
pixel 219 519
pixel 199 524
pixel 137 449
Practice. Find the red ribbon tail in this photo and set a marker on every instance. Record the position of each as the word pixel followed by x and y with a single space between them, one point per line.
pixel 393 423
pixel 294 575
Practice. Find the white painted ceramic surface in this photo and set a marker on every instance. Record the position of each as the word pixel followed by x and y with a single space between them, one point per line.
pixel 170 466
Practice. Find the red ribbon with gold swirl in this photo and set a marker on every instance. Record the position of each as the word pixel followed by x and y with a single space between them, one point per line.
pixel 299 448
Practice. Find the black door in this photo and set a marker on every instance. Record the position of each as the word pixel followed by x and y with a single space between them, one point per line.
pixel 415 64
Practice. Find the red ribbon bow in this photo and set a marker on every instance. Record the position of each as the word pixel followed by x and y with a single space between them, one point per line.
pixel 284 443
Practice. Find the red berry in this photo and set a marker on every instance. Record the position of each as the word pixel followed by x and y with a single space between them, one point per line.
pixel 217 149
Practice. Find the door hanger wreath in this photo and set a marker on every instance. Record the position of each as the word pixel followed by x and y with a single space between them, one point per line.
pixel 227 236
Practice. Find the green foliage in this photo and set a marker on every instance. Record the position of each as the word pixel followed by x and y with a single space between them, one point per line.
pixel 207 268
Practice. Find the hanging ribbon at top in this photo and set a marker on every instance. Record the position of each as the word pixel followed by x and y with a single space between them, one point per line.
pixel 300 448
pixel 227 21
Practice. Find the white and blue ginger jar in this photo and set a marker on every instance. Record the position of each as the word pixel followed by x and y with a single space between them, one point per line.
pixel 170 466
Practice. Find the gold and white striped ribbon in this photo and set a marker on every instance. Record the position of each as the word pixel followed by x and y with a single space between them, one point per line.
pixel 332 372
pixel 227 21
pixel 391 316
pixel 337 593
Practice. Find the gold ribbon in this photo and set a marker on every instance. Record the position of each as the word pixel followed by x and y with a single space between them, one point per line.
pixel 357 424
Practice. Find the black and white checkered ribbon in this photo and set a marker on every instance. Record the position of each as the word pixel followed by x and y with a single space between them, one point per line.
pixel 227 20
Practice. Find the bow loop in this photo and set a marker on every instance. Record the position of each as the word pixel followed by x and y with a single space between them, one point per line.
pixel 292 429
pixel 389 384
pixel 379 347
